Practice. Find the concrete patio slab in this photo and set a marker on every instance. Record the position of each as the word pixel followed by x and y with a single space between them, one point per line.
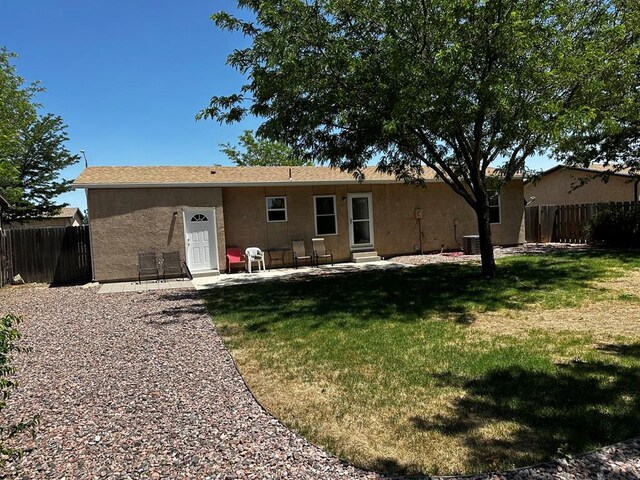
pixel 224 280
pixel 145 286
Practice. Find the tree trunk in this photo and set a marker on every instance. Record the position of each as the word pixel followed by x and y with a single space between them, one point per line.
pixel 486 242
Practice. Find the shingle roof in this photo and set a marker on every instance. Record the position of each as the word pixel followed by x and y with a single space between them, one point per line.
pixel 97 177
pixel 594 168
pixel 67 212
pixel 216 176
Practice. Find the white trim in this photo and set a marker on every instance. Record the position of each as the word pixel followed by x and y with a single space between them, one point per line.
pixel 366 246
pixel 187 212
pixel 286 217
pixel 315 216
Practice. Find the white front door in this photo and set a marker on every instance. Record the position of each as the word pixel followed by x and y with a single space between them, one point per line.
pixel 360 221
pixel 200 239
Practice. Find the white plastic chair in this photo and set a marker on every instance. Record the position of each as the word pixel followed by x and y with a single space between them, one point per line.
pixel 254 254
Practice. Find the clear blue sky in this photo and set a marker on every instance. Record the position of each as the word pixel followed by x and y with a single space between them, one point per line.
pixel 128 77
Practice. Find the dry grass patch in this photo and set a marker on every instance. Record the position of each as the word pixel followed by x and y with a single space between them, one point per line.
pixel 605 319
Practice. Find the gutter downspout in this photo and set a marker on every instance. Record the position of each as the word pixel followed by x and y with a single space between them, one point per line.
pixel 93 266
pixel 455 233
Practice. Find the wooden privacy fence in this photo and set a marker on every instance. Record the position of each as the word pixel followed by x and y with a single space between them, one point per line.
pixel 56 255
pixel 564 223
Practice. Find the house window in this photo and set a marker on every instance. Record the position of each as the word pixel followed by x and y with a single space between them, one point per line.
pixel 276 209
pixel 494 206
pixel 325 211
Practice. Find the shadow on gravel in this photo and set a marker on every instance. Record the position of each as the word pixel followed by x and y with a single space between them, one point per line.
pixel 185 306
pixel 582 406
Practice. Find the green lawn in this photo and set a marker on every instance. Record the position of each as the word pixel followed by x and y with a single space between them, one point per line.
pixel 432 370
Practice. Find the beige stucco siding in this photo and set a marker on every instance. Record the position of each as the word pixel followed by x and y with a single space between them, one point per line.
pixel 395 228
pixel 556 188
pixel 126 221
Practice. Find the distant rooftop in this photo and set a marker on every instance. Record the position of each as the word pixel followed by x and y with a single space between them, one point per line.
pixel 68 212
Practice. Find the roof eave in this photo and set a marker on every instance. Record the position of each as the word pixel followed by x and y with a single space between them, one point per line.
pixel 77 186
pixel 581 169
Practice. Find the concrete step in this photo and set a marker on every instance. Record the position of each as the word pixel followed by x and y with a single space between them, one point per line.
pixel 367 259
pixel 362 257
pixel 205 273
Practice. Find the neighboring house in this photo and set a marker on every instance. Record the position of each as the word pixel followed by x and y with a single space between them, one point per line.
pixel 200 211
pixel 561 185
pixel 66 217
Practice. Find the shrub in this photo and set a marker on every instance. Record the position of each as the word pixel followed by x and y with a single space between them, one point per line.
pixel 9 338
pixel 615 227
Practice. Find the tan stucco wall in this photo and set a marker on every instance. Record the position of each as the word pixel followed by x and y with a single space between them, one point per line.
pixel 395 228
pixel 125 222
pixel 555 188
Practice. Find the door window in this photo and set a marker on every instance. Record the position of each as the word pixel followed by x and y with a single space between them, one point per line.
pixel 199 217
pixel 360 221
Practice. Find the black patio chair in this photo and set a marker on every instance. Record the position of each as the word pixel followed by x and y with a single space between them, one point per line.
pixel 171 265
pixel 147 265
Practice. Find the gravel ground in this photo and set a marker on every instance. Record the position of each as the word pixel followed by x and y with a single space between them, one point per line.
pixel 498 252
pixel 139 385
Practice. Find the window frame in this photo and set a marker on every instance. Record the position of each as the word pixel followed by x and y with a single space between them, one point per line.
pixel 498 196
pixel 268 210
pixel 334 214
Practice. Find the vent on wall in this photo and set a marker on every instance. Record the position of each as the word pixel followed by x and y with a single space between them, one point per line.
pixel 471 244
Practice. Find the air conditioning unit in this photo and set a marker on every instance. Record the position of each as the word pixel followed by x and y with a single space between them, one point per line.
pixel 471 244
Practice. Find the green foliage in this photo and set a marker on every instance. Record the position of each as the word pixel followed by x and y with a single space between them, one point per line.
pixel 15 102
pixel 455 86
pixel 32 151
pixel 252 151
pixel 9 338
pixel 615 227
pixel 610 134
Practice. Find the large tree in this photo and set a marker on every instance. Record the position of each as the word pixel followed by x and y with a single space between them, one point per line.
pixel 32 149
pixel 256 151
pixel 611 135
pixel 456 86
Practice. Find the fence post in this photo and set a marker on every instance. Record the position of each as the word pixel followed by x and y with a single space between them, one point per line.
pixel 3 261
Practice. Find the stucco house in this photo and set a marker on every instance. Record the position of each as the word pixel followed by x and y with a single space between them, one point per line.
pixel 66 217
pixel 557 186
pixel 200 211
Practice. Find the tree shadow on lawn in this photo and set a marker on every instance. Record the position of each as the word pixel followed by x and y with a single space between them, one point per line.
pixel 579 407
pixel 407 295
